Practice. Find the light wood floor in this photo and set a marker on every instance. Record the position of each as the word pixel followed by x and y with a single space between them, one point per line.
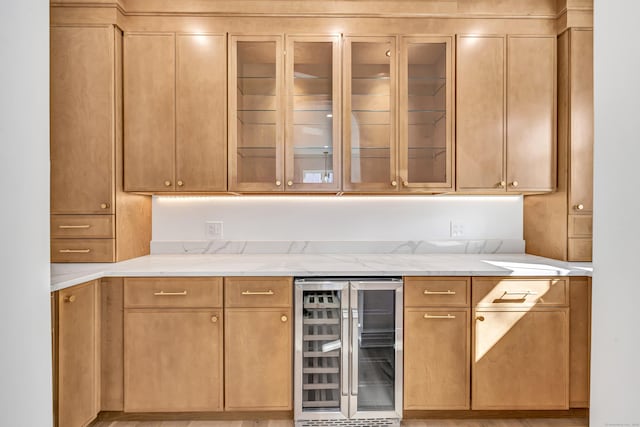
pixel 525 422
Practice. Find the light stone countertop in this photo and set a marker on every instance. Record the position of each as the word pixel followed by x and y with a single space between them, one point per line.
pixel 327 265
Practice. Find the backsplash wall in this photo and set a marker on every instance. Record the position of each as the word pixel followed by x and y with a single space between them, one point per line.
pixel 338 219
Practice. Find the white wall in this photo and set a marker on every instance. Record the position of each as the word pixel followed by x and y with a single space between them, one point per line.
pixel 615 380
pixel 343 218
pixel 25 349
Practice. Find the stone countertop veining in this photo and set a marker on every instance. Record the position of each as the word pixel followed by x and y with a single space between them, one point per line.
pixel 328 265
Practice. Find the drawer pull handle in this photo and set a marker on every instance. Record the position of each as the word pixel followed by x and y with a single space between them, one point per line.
pixel 432 316
pixel 449 292
pixel 74 226
pixel 170 294
pixel 269 292
pixel 480 318
pixel 283 318
pixel 70 298
pixel 74 251
pixel 525 293
pixel 214 319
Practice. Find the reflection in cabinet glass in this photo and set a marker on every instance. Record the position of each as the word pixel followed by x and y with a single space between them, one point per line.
pixel 312 84
pixel 369 121
pixel 255 113
pixel 425 114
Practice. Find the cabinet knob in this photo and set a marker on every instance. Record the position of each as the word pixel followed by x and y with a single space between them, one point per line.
pixel 514 184
pixel 283 318
pixel 579 207
pixel 405 184
pixel 394 183
pixel 278 183
pixel 104 205
pixel 167 183
pixel 180 183
pixel 214 319
pixel 480 318
pixel 289 183
pixel 501 184
pixel 70 298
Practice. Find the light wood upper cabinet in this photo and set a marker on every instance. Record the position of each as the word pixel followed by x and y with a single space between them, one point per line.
pixel 369 122
pixel 78 355
pixel 480 119
pixel 506 113
pixel 149 108
pixel 256 115
pixel 82 120
pixel 201 112
pixel 312 150
pixel 581 122
pixel 174 103
pixel 531 113
pixel 426 113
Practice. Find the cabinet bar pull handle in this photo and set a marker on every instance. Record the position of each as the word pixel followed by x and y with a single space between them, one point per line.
pixel 74 226
pixel 170 294
pixel 525 293
pixel 448 292
pixel 74 251
pixel 269 292
pixel 432 316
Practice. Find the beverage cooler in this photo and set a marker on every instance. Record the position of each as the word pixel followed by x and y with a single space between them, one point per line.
pixel 348 352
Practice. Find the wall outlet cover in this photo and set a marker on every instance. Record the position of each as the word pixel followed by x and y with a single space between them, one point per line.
pixel 213 230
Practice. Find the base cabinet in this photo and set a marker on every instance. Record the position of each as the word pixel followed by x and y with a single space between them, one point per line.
pixel 78 362
pixel 173 360
pixel 173 333
pixel 258 344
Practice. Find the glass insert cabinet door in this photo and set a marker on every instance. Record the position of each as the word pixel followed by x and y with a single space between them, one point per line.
pixel 369 113
pixel 312 75
pixel 256 113
pixel 426 99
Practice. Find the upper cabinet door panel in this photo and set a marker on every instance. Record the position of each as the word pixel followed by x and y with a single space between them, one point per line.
pixel 149 110
pixel 426 109
pixel 370 114
pixel 312 152
pixel 581 132
pixel 201 143
pixel 480 119
pixel 255 113
pixel 82 120
pixel 531 113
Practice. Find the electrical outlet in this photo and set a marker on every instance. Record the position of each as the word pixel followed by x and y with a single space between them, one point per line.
pixel 456 229
pixel 213 230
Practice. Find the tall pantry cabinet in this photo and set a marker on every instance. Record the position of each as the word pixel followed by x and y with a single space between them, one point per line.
pixel 92 219
pixel 559 225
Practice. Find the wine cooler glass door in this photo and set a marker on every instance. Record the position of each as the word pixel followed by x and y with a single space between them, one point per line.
pixel 376 349
pixel 322 348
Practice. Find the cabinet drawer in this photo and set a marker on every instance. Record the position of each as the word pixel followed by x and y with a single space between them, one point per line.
pixel 83 250
pixel 580 249
pixel 580 225
pixel 258 291
pixel 174 292
pixel 440 291
pixel 501 292
pixel 87 226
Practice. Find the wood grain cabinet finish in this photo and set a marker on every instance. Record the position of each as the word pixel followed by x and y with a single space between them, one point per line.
pixel 559 225
pixel 82 120
pixel 78 361
pixel 87 197
pixel 520 353
pixel 506 116
pixel 175 115
pixel 173 355
pixel 580 342
pixel 259 349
